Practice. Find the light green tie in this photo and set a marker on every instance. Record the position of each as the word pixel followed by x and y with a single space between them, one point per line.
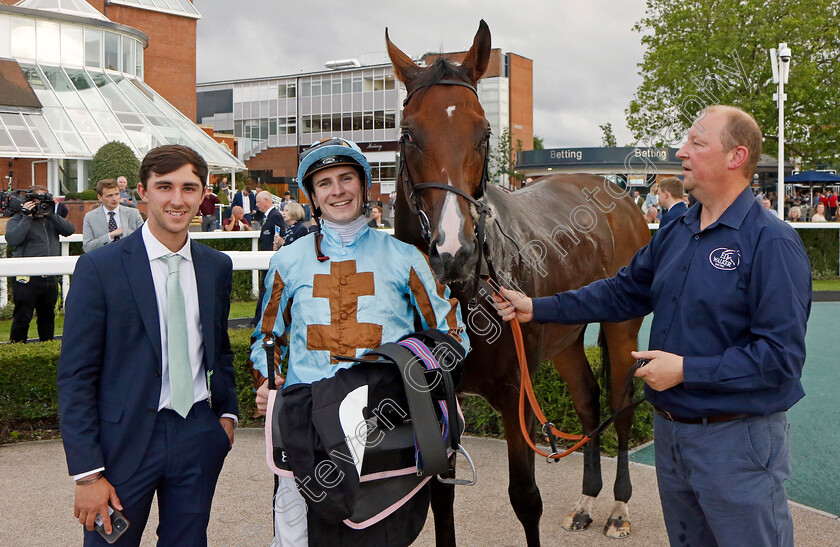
pixel 180 371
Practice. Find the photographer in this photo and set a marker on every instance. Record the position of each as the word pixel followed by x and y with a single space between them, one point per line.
pixel 33 230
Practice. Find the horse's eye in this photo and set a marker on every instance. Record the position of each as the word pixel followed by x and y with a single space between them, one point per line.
pixel 407 136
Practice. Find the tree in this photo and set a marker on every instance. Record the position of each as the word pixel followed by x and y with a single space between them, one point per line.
pixel 503 157
pixel 703 52
pixel 112 160
pixel 608 140
pixel 538 143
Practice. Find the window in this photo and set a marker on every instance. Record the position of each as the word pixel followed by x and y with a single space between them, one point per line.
pixel 316 87
pixel 23 38
pixel 72 45
pixel 368 120
pixel 336 86
pixel 128 63
pixel 357 84
pixel 93 47
pixel 306 88
pixel 286 91
pixel 138 58
pixel 390 81
pixel 286 126
pixel 388 171
pixel 390 120
pixel 112 51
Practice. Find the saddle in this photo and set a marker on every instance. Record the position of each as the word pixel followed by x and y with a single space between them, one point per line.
pixel 362 443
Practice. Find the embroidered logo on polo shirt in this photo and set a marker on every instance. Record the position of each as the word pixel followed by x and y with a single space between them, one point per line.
pixel 725 259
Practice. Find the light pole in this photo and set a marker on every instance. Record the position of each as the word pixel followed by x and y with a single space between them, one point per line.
pixel 780 63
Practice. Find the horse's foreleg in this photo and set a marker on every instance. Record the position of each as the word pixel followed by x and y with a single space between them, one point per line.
pixel 621 340
pixel 583 388
pixel 443 500
pixel 522 487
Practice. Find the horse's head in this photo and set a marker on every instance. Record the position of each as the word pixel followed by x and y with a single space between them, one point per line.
pixel 445 140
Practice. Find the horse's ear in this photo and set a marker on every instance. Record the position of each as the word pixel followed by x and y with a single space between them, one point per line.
pixel 404 68
pixel 478 57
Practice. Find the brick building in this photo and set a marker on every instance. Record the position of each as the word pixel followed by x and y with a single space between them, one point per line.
pixel 275 118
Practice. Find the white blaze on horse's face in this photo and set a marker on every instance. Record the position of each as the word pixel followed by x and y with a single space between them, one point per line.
pixel 450 226
pixel 450 110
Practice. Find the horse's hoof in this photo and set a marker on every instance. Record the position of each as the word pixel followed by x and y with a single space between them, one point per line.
pixel 618 525
pixel 617 528
pixel 577 522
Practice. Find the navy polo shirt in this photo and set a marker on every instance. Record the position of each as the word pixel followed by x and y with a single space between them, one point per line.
pixel 732 299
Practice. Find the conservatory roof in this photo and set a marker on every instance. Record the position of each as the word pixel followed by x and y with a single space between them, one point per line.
pixel 83 108
pixel 177 7
pixel 68 7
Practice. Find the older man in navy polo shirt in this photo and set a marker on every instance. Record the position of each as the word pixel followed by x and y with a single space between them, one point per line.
pixel 730 291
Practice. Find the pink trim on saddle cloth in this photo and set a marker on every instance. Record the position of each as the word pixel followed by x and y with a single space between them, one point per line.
pixel 388 474
pixel 269 447
pixel 387 512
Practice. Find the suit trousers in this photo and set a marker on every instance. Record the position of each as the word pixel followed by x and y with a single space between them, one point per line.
pixel 723 483
pixel 38 295
pixel 182 464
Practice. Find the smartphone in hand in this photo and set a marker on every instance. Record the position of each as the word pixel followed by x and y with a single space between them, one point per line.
pixel 119 525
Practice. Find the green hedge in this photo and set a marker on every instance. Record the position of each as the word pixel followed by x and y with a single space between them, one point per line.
pixel 822 248
pixel 28 392
pixel 28 379
pixel 241 291
pixel 556 404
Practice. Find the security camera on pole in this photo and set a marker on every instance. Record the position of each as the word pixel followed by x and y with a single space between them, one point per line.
pixel 780 63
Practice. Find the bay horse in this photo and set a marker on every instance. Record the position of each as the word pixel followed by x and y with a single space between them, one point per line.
pixel 555 235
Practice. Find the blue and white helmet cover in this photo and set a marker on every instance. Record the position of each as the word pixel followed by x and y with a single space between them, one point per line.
pixel 331 153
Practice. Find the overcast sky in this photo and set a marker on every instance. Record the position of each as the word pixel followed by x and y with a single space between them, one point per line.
pixel 585 52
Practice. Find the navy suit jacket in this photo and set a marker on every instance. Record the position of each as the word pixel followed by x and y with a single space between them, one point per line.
pixel 674 212
pixel 252 198
pixel 109 372
pixel 272 219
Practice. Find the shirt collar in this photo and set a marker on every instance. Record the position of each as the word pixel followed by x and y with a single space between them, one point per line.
pixel 732 217
pixel 116 210
pixel 155 249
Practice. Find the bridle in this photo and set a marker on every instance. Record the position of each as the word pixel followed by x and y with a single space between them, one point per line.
pixel 482 207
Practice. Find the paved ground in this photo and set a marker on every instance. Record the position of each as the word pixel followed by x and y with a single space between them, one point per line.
pixel 814 441
pixel 36 499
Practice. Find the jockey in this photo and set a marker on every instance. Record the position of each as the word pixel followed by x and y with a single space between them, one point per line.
pixel 347 290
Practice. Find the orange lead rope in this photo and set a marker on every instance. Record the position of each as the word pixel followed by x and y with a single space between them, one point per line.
pixel 526 387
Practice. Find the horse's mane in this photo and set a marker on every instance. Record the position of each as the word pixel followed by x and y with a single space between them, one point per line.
pixel 442 69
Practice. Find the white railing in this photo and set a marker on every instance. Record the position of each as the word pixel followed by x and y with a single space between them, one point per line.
pixel 64 265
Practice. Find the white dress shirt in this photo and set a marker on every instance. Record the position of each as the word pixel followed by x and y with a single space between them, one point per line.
pixel 195 339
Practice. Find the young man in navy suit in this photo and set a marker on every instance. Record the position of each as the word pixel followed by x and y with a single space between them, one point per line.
pixel 146 390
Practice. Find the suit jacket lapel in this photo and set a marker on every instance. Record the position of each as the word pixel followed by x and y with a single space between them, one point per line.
pixel 124 220
pixel 139 274
pixel 205 284
pixel 101 218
